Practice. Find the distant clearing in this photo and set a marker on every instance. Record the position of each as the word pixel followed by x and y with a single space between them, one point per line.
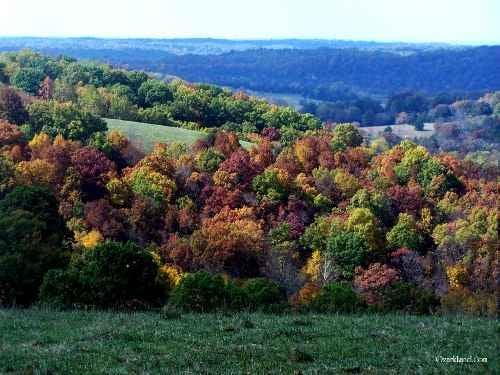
pixel 145 136
pixel 403 131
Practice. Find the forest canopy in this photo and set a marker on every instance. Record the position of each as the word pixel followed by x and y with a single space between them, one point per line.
pixel 310 217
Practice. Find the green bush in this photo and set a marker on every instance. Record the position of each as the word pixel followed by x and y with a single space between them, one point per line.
pixel 261 293
pixel 61 288
pixel 201 292
pixel 31 243
pixel 336 297
pixel 204 292
pixel 410 298
pixel 209 160
pixel 111 275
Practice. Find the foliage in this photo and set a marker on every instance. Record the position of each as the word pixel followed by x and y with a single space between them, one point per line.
pixel 31 243
pixel 64 119
pixel 201 292
pixel 110 275
pixel 11 106
pixel 154 92
pixel 405 234
pixel 151 184
pixel 410 298
pixel 209 160
pixel 346 135
pixel 349 250
pixel 28 79
pixel 262 293
pixel 372 281
pixel 269 187
pixel 299 208
pixel 336 297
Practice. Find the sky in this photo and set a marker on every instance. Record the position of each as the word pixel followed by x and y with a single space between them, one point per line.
pixel 452 21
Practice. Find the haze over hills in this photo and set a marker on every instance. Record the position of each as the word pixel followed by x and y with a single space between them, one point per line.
pixel 326 70
pixel 202 46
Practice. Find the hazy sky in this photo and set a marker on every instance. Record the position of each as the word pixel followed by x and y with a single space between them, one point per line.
pixel 470 21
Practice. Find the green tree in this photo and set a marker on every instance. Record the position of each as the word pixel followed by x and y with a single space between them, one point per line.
pixel 110 275
pixel 267 186
pixel 405 234
pixel 66 119
pixel 348 250
pixel 4 78
pixel 28 79
pixel 336 297
pixel 153 92
pixel 31 243
pixel 346 135
pixel 209 160
pixel 158 114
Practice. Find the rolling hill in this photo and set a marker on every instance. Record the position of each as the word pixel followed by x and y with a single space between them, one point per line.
pixel 145 136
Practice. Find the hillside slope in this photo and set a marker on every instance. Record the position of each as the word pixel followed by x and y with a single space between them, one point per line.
pixel 145 136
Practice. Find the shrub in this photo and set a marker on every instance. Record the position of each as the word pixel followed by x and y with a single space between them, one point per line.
pixel 410 298
pixel 61 288
pixel 209 160
pixel 371 281
pixel 201 292
pixel 261 293
pixel 305 295
pixel 31 243
pixel 462 300
pixel 205 292
pixel 336 297
pixel 111 275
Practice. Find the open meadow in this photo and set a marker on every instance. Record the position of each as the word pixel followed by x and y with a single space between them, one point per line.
pixel 48 342
pixel 145 136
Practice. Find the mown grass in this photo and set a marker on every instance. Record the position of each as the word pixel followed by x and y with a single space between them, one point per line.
pixel 48 342
pixel 145 136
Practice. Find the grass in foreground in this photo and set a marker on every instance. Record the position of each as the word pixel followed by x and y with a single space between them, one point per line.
pixel 43 342
pixel 145 136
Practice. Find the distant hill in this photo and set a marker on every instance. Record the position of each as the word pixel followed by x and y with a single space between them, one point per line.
pixel 321 73
pixel 199 46
pixel 327 70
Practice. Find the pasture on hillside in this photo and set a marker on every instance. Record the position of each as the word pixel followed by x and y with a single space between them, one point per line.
pixel 404 131
pixel 49 342
pixel 145 136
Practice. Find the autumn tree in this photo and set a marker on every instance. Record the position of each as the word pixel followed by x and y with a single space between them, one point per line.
pixel 231 241
pixel 12 107
pixel 94 169
pixel 46 91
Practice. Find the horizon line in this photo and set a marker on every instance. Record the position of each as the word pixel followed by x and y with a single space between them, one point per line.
pixel 237 39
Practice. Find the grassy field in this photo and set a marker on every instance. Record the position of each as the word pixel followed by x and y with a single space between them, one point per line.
pixel 403 131
pixel 145 136
pixel 47 342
